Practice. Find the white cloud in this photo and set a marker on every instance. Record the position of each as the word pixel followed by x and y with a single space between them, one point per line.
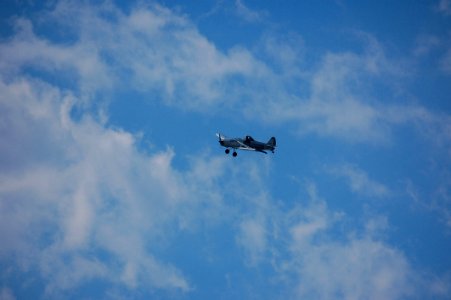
pixel 359 182
pixel 332 97
pixel 163 55
pixel 437 49
pixel 246 13
pixel 100 194
pixel 336 97
pixel 360 268
pixel 444 7
pixel 426 44
pixel 438 200
pixel 6 294
pixel 151 48
pixel 316 255
pixel 79 61
pixel 347 265
pixel 287 50
pixel 80 187
pixel 446 62
pixel 252 237
pixel 304 231
pixel 69 188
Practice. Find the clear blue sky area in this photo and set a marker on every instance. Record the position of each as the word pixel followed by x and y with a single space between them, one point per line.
pixel 113 184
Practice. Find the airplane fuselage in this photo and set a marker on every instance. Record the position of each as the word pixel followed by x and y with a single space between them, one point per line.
pixel 248 143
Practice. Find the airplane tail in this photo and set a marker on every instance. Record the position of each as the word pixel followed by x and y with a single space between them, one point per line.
pixel 272 142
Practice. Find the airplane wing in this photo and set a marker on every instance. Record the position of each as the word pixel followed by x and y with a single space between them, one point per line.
pixel 245 147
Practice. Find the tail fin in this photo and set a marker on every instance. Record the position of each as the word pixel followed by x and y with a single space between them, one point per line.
pixel 272 142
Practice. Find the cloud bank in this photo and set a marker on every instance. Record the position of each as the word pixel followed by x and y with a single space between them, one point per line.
pixel 162 55
pixel 81 202
pixel 94 191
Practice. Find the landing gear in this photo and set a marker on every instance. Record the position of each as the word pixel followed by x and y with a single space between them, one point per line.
pixel 227 151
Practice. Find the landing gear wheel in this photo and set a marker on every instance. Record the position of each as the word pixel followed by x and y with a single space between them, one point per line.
pixel 227 151
pixel 234 154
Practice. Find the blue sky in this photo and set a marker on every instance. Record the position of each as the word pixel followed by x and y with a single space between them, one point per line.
pixel 113 185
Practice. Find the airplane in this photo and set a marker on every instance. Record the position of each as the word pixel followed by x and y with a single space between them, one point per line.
pixel 248 143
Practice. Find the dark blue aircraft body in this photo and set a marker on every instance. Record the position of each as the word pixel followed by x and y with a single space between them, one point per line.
pixel 248 143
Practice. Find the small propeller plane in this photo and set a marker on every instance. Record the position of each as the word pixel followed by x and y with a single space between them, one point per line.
pixel 248 143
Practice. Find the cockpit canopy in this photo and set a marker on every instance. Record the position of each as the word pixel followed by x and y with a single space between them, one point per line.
pixel 249 138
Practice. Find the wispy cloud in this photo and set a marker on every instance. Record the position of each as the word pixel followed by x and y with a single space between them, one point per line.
pixel 246 13
pixel 446 62
pixel 162 54
pixel 155 49
pixel 349 266
pixel 315 255
pixel 99 193
pixel 70 189
pixel 359 182
pixel 252 237
pixel 93 191
pixel 444 7
pixel 439 200
pixel 425 44
pixel 6 294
